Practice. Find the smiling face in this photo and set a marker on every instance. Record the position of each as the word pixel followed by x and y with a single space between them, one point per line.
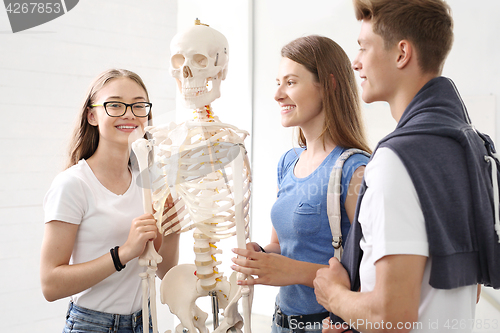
pixel 299 96
pixel 117 130
pixel 375 65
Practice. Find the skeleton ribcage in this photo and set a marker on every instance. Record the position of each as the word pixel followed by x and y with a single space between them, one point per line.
pixel 199 176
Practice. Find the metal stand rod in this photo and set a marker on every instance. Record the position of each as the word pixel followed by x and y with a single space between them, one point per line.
pixel 215 308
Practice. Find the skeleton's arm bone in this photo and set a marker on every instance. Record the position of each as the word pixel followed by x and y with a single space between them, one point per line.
pixel 150 257
pixel 237 164
pixel 141 150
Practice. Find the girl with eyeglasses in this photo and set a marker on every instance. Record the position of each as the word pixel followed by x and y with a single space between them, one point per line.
pixel 95 226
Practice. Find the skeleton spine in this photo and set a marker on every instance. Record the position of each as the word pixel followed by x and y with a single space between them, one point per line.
pixel 205 261
pixel 204 246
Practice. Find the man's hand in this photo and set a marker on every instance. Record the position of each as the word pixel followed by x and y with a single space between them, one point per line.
pixel 329 281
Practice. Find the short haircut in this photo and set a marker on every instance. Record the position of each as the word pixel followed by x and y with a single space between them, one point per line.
pixel 427 24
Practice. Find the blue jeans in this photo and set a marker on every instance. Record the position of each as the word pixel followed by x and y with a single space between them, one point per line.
pixel 82 320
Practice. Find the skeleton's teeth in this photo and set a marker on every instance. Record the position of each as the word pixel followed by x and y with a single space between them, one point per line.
pixel 193 92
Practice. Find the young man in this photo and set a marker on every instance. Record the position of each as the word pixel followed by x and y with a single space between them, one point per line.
pixel 420 243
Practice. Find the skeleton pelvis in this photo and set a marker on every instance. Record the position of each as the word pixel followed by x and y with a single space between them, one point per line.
pixel 180 289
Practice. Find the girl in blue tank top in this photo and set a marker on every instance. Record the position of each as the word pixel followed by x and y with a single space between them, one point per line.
pixel 317 93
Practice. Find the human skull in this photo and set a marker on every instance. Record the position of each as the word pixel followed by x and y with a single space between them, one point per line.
pixel 199 64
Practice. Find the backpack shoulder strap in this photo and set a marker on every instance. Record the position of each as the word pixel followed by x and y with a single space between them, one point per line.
pixel 333 199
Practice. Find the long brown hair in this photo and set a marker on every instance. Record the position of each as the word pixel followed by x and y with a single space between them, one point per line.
pixel 85 137
pixel 324 58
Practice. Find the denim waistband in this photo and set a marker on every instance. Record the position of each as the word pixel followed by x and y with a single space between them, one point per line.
pixel 286 321
pixel 103 318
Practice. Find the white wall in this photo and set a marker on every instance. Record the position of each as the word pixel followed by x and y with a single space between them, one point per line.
pixel 44 74
pixel 45 71
pixel 472 64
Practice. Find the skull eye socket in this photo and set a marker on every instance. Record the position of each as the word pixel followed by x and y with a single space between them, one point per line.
pixel 177 61
pixel 200 60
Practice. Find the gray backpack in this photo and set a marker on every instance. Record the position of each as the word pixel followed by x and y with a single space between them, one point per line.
pixel 333 199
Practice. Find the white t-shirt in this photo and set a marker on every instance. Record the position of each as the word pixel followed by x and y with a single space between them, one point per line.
pixel 76 196
pixel 393 223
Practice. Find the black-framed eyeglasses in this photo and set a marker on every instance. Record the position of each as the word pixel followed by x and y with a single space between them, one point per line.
pixel 118 109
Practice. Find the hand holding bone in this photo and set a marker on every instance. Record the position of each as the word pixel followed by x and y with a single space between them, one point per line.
pixel 142 230
pixel 270 268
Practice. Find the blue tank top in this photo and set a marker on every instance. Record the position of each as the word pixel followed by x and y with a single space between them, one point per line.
pixel 300 219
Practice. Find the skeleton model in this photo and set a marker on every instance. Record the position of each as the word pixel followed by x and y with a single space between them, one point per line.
pixel 202 164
